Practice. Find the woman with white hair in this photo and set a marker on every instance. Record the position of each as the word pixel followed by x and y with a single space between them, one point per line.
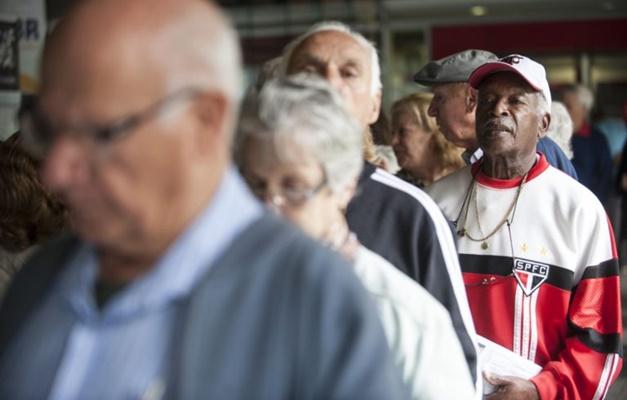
pixel 591 152
pixel 561 128
pixel 301 153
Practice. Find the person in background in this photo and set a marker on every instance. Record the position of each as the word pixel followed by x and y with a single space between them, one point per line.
pixel 382 147
pixel 591 152
pixel 29 214
pixel 300 153
pixel 614 127
pixel 454 104
pixel 394 219
pixel 423 152
pixel 536 249
pixel 178 285
pixel 561 128
pixel 389 162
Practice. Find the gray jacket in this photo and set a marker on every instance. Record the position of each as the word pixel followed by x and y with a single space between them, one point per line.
pixel 277 317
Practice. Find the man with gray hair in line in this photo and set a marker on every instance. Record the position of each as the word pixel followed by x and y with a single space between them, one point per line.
pixel 536 249
pixel 178 285
pixel 455 102
pixel 389 216
pixel 592 157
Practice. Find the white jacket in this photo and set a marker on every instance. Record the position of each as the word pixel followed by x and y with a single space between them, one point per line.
pixel 419 331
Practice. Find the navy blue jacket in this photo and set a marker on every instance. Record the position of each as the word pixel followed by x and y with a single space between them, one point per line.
pixel 555 156
pixel 402 224
pixel 593 161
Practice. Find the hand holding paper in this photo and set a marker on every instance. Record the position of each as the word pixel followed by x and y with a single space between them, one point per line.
pixel 497 360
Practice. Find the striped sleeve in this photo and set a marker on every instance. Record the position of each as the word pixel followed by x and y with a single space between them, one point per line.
pixel 592 356
pixel 443 249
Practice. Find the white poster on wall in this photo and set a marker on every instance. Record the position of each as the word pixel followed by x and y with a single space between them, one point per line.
pixel 30 19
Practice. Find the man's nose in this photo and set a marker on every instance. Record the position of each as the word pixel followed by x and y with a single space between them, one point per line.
pixel 64 163
pixel 499 107
pixel 334 77
pixel 432 110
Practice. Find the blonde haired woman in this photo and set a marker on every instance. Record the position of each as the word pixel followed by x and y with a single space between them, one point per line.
pixel 422 151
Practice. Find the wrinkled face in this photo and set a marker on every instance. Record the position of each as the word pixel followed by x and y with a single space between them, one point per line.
pixel 410 141
pixel 122 193
pixel 576 110
pixel 449 107
pixel 295 189
pixel 509 121
pixel 339 59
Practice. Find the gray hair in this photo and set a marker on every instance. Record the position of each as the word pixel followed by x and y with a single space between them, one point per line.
pixel 375 67
pixel 307 112
pixel 209 60
pixel 583 93
pixel 269 70
pixel 561 127
pixel 543 104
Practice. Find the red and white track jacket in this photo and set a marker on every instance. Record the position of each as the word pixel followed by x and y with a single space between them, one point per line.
pixel 550 291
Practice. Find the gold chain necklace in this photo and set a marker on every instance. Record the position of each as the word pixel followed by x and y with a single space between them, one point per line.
pixel 506 218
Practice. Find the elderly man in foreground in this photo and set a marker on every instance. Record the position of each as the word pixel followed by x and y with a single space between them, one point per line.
pixel 536 249
pixel 179 286
pixel 389 216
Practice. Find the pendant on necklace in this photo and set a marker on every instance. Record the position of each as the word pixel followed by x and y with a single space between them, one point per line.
pixel 484 245
pixel 461 232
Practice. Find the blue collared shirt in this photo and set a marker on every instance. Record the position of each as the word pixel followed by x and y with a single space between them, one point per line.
pixel 125 350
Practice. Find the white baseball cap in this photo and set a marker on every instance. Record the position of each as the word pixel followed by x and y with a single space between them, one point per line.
pixel 532 72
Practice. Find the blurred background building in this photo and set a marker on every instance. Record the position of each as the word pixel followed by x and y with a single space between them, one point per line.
pixel 579 41
pixel 582 41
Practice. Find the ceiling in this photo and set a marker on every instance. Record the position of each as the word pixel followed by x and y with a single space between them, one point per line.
pixel 264 12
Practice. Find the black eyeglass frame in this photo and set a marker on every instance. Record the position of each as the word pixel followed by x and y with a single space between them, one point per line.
pixel 39 134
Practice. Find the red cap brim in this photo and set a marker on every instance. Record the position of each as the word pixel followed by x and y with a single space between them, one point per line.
pixel 477 76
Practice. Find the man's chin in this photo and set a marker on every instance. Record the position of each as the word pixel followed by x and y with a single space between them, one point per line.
pixel 95 231
pixel 451 137
pixel 498 145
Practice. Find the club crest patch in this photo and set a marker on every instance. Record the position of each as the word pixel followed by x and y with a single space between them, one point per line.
pixel 530 274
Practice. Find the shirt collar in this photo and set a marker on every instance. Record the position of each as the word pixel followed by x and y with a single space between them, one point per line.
pixel 540 166
pixel 174 275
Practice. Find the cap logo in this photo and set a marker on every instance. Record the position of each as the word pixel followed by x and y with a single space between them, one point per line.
pixel 511 59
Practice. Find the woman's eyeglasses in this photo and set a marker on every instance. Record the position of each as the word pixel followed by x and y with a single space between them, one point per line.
pixel 286 196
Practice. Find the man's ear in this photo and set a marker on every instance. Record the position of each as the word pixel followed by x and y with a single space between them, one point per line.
pixel 471 99
pixel 211 122
pixel 544 124
pixel 375 108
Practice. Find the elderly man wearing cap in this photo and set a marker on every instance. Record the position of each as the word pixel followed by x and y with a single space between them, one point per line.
pixel 536 249
pixel 454 104
pixel 389 216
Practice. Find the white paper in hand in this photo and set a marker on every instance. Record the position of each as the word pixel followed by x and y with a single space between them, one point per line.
pixel 496 359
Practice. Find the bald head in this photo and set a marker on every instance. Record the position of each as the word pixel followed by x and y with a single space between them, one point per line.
pixel 138 101
pixel 151 48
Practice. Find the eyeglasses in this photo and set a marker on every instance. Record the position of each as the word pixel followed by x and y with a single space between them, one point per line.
pixel 286 196
pixel 39 133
